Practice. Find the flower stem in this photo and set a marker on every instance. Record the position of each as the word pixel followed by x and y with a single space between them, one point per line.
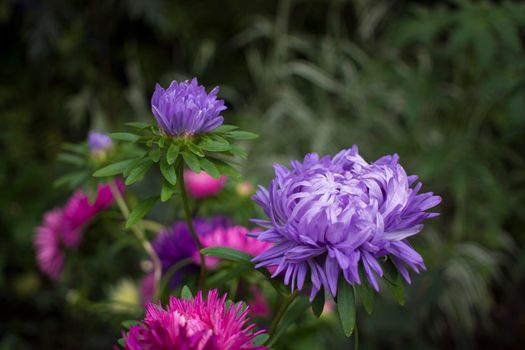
pixel 281 312
pixel 139 233
pixel 189 221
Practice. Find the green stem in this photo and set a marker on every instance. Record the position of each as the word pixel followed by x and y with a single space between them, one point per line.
pixel 281 312
pixel 189 221
pixel 356 338
pixel 139 233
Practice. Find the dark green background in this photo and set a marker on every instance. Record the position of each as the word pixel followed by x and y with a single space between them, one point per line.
pixel 440 83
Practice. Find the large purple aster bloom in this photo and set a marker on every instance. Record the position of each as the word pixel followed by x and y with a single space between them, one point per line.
pixel 186 109
pixel 176 243
pixel 331 215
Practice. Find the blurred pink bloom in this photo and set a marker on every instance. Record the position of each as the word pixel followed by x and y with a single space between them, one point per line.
pixel 201 185
pixel 232 237
pixel 245 189
pixel 63 228
pixel 258 305
pixel 147 288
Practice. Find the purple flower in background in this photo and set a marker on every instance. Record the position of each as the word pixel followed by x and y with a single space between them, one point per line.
pixel 330 215
pixel 176 243
pixel 195 324
pixel 98 141
pixel 186 109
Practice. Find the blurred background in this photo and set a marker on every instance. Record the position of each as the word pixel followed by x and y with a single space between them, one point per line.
pixel 442 83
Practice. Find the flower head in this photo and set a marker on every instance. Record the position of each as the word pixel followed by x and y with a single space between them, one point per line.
pixel 176 243
pixel 195 324
pixel 330 215
pixel 235 237
pixel 186 109
pixel 201 185
pixel 98 141
pixel 64 228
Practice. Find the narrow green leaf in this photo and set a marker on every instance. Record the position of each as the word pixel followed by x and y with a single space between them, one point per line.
pixel 225 128
pixel 154 155
pixel 191 161
pixel 195 149
pixel 70 158
pixel 214 146
pixel 132 165
pixel 239 152
pixel 168 171
pixel 210 168
pixel 72 179
pixel 228 254
pixel 167 191
pixel 121 342
pixel 138 173
pixel 139 211
pixel 138 125
pixel 227 169
pixel 113 169
pixel 394 282
pixel 318 304
pixel 346 307
pixel 366 295
pixel 260 339
pixel 186 293
pixel 172 154
pixel 129 323
pixel 124 136
pixel 241 135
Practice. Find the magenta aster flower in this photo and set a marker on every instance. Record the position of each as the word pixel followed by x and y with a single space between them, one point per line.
pixel 64 228
pixel 186 109
pixel 98 141
pixel 235 237
pixel 328 216
pixel 195 324
pixel 201 185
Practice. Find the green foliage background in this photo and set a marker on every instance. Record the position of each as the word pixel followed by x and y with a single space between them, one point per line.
pixel 441 83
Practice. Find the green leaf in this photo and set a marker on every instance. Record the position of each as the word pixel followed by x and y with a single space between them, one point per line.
pixel 346 307
pixel 225 128
pixel 228 254
pixel 242 135
pixel 113 169
pixel 138 173
pixel 139 211
pixel 132 165
pixel 191 161
pixel 121 342
pixel 138 125
pixel 215 146
pixel 195 149
pixel 210 168
pixel 318 304
pixel 394 282
pixel 366 295
pixel 260 339
pixel 154 155
pixel 168 171
pixel 72 179
pixel 71 158
pixel 167 191
pixel 239 152
pixel 227 169
pixel 124 136
pixel 186 293
pixel 172 154
pixel 129 323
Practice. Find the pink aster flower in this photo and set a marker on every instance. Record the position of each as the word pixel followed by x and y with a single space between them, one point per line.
pixel 201 185
pixel 235 237
pixel 195 324
pixel 64 228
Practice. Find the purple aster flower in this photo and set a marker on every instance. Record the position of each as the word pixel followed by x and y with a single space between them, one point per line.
pixel 98 141
pixel 330 215
pixel 186 109
pixel 195 324
pixel 176 243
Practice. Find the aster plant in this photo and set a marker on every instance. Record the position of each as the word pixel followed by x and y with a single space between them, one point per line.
pixel 189 134
pixel 338 223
